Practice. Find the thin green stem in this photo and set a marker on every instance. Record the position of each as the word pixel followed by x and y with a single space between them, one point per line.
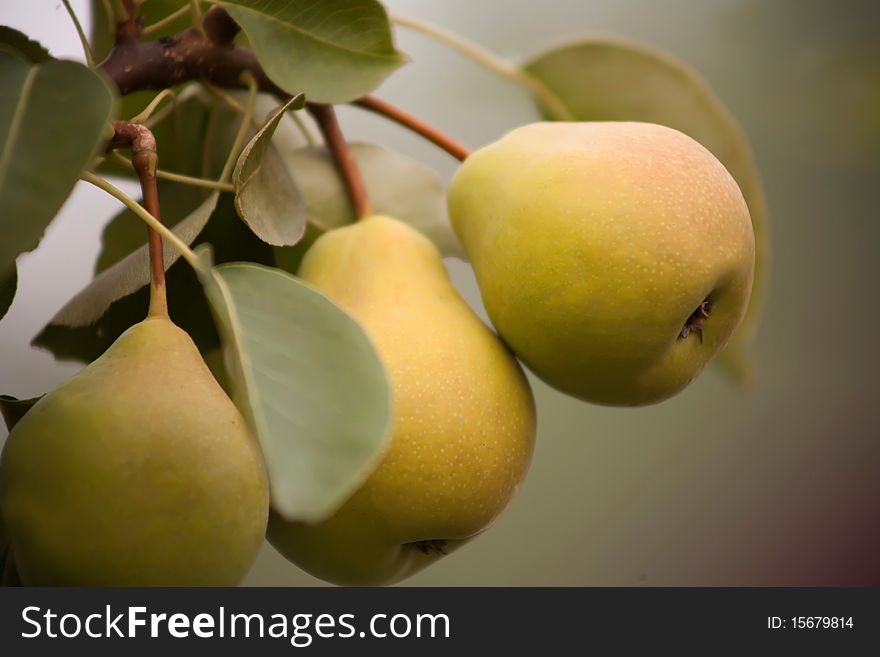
pixel 142 213
pixel 165 22
pixel 551 102
pixel 110 15
pixel 227 98
pixel 87 48
pixel 181 178
pixel 246 118
pixel 147 112
pixel 303 128
pixel 197 16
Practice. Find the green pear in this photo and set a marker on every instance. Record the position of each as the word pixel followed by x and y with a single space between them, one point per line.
pixel 463 414
pixel 137 471
pixel 616 259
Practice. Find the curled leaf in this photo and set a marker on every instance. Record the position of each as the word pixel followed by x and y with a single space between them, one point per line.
pixel 266 197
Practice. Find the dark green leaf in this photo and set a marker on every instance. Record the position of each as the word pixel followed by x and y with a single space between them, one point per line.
pixel 265 195
pixel 52 118
pixel 231 240
pixel 8 284
pixel 131 273
pixel 332 50
pixel 126 232
pixel 13 41
pixel 611 80
pixel 14 409
pixel 309 381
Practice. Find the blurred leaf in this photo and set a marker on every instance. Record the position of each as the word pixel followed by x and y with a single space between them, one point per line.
pixel 265 195
pixel 131 273
pixel 13 409
pixel 231 241
pixel 612 80
pixel 309 381
pixel 12 41
pixel 397 186
pixel 8 285
pixel 52 117
pixel 332 50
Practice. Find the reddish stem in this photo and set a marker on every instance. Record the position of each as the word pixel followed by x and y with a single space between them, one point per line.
pixel 348 169
pixel 429 132
pixel 145 161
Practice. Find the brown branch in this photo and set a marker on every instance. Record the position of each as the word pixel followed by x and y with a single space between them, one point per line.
pixel 429 132
pixel 325 116
pixel 145 161
pixel 133 66
pixel 136 65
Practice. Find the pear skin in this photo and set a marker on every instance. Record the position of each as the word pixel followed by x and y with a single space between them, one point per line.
pixel 463 414
pixel 615 259
pixel 137 471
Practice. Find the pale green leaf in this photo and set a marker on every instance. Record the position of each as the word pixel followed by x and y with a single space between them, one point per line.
pixel 131 273
pixel 230 240
pixel 52 117
pixel 266 197
pixel 397 186
pixel 309 381
pixel 613 80
pixel 332 50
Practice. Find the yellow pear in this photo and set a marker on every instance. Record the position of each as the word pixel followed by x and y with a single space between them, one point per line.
pixel 137 471
pixel 616 259
pixel 463 413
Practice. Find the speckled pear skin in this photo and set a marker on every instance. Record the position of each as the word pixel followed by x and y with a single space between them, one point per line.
pixel 463 413
pixel 137 471
pixel 595 243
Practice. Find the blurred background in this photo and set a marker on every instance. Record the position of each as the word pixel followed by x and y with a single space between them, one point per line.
pixel 774 486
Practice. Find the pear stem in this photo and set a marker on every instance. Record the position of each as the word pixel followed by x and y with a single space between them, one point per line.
pixel 325 116
pixel 145 161
pixel 429 132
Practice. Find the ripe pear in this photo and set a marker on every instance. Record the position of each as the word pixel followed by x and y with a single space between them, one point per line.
pixel 137 471
pixel 463 414
pixel 616 259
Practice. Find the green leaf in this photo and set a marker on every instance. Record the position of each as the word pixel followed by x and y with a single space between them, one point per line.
pixel 52 117
pixel 12 41
pixel 8 285
pixel 612 80
pixel 126 232
pixel 13 409
pixel 332 50
pixel 309 381
pixel 131 273
pixel 266 197
pixel 397 186
pixel 231 241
